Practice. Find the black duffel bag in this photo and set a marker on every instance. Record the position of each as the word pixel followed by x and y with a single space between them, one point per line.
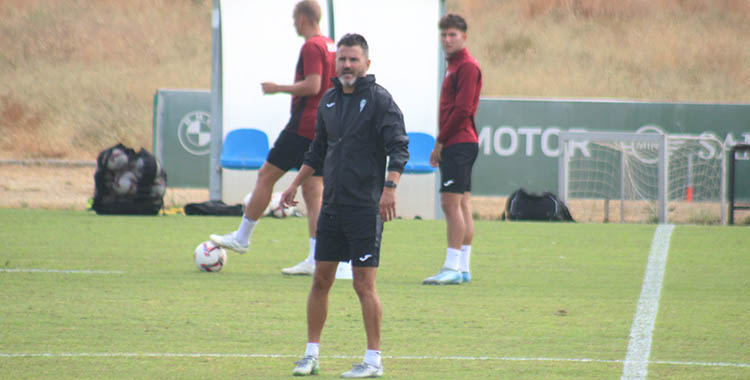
pixel 522 205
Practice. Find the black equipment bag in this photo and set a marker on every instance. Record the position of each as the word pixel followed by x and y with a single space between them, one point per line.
pixel 213 208
pixel 522 205
pixel 128 182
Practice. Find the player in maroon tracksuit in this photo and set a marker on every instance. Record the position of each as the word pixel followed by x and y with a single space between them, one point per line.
pixel 456 149
pixel 315 68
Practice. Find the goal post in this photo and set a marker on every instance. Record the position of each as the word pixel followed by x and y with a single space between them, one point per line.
pixel 656 177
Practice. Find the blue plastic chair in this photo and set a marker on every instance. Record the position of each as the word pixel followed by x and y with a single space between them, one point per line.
pixel 420 147
pixel 244 149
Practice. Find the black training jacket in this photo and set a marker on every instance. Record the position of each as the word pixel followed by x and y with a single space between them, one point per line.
pixel 351 145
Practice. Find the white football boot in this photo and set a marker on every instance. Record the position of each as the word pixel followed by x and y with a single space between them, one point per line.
pixel 306 366
pixel 304 268
pixel 230 242
pixel 363 370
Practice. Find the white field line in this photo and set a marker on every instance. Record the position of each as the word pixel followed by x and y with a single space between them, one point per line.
pixel 352 357
pixel 639 346
pixel 64 271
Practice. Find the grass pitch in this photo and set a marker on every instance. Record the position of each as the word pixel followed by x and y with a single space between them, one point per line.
pixel 91 297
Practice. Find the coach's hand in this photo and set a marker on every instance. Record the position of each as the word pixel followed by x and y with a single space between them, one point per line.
pixel 388 204
pixel 287 197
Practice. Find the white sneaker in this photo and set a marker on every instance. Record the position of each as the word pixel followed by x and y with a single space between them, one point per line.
pixel 304 268
pixel 228 241
pixel 344 271
pixel 363 370
pixel 306 366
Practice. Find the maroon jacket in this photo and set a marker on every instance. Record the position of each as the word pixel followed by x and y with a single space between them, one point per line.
pixel 459 98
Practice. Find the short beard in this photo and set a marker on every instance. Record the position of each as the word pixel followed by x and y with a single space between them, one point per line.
pixel 349 83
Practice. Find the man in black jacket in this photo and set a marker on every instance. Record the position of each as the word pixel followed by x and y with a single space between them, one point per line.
pixel 358 126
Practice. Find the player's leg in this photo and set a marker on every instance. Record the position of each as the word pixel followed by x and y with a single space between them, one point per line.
pixel 468 219
pixel 471 152
pixel 312 192
pixel 453 184
pixel 454 221
pixel 239 240
pixel 282 157
pixel 268 175
pixel 464 259
pixel 451 203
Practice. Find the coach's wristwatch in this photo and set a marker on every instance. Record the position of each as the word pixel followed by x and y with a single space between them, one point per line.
pixel 390 184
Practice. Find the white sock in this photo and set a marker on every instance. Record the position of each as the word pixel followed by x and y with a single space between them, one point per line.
pixel 312 349
pixel 451 258
pixel 372 357
pixel 246 229
pixel 311 255
pixel 465 259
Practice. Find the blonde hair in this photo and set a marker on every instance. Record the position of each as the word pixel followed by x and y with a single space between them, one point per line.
pixel 308 8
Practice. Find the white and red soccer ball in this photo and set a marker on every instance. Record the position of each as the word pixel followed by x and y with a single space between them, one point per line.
pixel 274 208
pixel 117 160
pixel 126 183
pixel 159 187
pixel 209 257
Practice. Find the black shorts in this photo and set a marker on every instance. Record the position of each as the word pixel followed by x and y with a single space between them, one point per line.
pixel 288 151
pixel 456 163
pixel 344 236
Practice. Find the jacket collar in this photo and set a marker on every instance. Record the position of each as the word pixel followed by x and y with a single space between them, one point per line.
pixel 460 55
pixel 360 84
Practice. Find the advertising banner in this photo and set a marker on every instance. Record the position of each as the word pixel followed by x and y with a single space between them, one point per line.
pixel 518 138
pixel 182 135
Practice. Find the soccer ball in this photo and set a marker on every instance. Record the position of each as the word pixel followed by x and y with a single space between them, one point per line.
pixel 138 167
pixel 209 258
pixel 274 208
pixel 117 160
pixel 125 183
pixel 159 187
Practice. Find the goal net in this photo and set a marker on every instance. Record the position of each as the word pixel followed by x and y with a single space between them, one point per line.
pixel 642 178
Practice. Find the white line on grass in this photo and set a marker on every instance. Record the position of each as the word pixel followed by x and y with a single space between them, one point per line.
pixel 276 356
pixel 64 271
pixel 639 346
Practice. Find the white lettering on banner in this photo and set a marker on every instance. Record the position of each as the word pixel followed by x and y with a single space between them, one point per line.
pixel 729 142
pixel 530 132
pixel 582 145
pixel 745 155
pixel 546 150
pixel 489 142
pixel 710 151
pixel 484 135
pixel 504 141
pixel 497 140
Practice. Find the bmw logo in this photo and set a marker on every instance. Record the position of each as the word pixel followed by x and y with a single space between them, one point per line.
pixel 194 133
